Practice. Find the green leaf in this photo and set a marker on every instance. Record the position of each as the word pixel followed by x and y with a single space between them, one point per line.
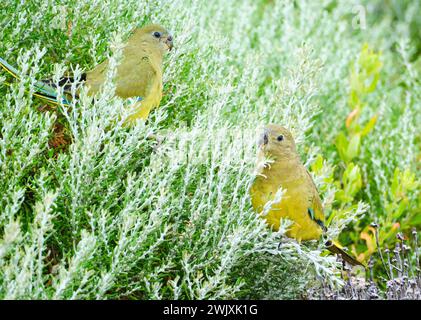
pixel 353 149
pixel 317 165
pixel 342 146
pixel 369 126
pixel 352 179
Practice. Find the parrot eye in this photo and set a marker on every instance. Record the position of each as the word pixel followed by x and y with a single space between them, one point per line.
pixel 280 138
pixel 157 34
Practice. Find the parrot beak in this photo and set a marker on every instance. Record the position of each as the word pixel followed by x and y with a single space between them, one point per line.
pixel 264 139
pixel 169 42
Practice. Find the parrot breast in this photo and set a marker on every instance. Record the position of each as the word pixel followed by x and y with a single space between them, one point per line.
pixel 295 201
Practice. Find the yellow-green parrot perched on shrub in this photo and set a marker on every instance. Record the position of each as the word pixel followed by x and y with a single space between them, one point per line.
pixel 139 73
pixel 300 201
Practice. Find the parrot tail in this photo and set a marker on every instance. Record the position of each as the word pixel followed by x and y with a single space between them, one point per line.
pixel 345 256
pixel 53 99
pixel 43 89
pixel 10 69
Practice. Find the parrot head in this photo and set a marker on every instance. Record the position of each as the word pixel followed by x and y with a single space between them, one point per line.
pixel 277 141
pixel 154 36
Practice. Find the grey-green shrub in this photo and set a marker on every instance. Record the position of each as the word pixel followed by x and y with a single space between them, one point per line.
pixel 161 210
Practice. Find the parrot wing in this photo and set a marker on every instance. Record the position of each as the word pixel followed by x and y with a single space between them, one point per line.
pixel 315 209
pixel 316 213
pixel 136 77
pixel 95 78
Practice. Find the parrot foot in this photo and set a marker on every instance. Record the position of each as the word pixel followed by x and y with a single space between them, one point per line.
pixel 282 241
